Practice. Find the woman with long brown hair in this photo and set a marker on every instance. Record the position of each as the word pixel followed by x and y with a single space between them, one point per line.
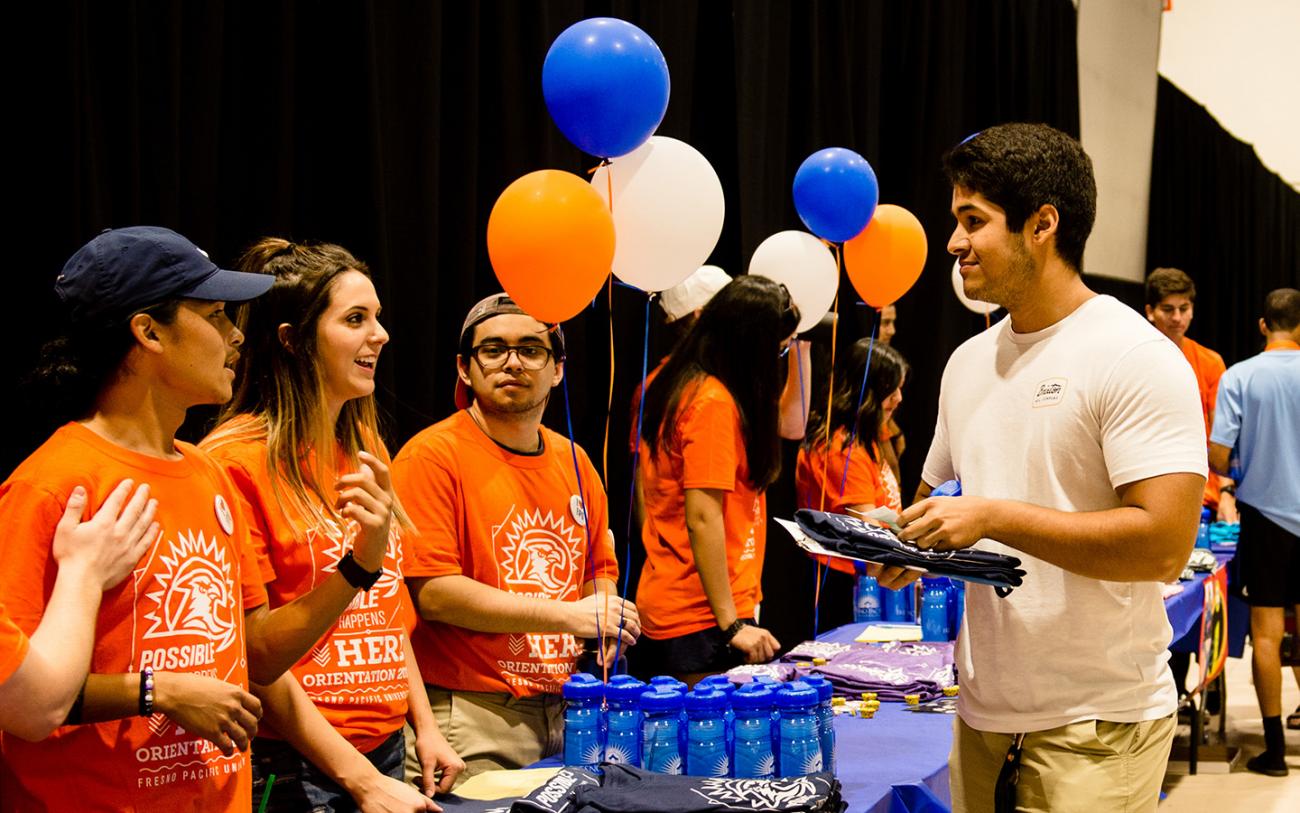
pixel 302 418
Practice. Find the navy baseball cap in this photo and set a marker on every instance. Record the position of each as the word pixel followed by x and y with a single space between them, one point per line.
pixel 122 271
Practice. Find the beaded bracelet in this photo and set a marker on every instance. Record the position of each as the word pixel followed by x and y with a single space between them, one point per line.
pixel 146 691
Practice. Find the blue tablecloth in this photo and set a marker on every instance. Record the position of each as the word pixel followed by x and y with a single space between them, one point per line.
pixel 897 762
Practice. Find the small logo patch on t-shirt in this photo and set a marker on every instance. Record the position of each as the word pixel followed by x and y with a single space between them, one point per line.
pixel 1049 393
pixel 577 509
pixel 224 519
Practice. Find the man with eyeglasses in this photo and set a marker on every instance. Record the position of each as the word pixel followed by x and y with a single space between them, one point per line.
pixel 512 565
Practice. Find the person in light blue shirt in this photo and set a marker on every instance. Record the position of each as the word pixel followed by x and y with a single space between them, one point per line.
pixel 1258 415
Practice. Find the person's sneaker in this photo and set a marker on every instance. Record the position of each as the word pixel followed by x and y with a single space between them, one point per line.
pixel 1267 765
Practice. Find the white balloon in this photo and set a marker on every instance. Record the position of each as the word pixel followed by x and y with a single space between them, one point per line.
pixel 981 307
pixel 668 210
pixel 806 266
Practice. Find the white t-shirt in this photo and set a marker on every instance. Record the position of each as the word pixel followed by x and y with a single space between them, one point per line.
pixel 1060 418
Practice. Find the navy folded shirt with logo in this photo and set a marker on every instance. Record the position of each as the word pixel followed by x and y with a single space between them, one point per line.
pixel 626 789
pixel 852 537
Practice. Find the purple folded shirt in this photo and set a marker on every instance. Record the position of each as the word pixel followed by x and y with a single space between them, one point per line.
pixel 891 669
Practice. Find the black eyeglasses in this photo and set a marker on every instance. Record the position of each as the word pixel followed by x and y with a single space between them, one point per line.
pixel 495 356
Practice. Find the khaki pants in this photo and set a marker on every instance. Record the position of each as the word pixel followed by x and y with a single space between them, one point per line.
pixel 1087 767
pixel 493 730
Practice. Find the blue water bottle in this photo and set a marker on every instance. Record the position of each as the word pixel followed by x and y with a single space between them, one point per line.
pixel 825 718
pixel 799 747
pixel 623 719
pixel 661 731
pixel 900 605
pixel 582 741
pixel 934 610
pixel 866 599
pixel 1203 530
pixel 753 757
pixel 668 683
pixel 706 734
pixel 724 685
pixel 956 605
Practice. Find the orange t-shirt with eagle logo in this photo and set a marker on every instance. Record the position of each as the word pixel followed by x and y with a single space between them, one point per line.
pixel 181 610
pixel 512 521
pixel 356 673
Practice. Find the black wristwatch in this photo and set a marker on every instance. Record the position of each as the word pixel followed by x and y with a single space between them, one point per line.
pixel 736 626
pixel 356 575
pixel 1228 489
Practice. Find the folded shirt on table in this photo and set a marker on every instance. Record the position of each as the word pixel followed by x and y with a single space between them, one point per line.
pixel 892 670
pixel 852 537
pixel 627 789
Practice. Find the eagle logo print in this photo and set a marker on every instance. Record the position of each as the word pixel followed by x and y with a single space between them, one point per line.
pixel 195 596
pixel 541 553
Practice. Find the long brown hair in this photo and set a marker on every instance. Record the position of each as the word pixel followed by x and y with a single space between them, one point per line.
pixel 279 382
pixel 737 340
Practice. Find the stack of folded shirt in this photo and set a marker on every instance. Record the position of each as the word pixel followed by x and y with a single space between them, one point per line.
pixel 892 670
pixel 854 538
pixel 627 789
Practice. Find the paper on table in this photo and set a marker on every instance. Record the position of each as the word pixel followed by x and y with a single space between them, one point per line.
pixel 876 633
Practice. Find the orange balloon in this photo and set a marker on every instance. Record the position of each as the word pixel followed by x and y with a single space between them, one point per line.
pixel 885 260
pixel 550 238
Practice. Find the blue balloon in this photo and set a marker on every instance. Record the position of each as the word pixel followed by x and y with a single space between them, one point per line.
pixel 606 85
pixel 835 193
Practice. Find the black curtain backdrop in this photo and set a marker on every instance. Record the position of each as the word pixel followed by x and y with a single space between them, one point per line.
pixel 1220 215
pixel 390 128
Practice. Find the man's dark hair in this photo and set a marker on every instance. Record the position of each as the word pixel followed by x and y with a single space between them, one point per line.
pixel 1021 167
pixel 1282 309
pixel 1164 282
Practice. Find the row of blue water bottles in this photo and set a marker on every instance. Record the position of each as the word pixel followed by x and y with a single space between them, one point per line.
pixel 943 601
pixel 761 730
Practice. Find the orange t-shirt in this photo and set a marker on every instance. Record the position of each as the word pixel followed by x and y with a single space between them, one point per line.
pixel 633 438
pixel 1209 368
pixel 703 449
pixel 869 482
pixel 356 673
pixel 511 521
pixel 182 610
pixel 13 646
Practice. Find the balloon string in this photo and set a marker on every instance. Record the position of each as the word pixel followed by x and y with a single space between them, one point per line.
pixel 636 459
pixel 586 515
pixel 609 402
pixel 830 400
pixel 830 387
pixel 862 393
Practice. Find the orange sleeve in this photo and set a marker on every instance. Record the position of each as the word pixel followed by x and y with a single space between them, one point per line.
pixel 13 646
pixel 251 568
pixel 29 516
pixel 246 491
pixel 708 433
pixel 428 489
pixel 860 483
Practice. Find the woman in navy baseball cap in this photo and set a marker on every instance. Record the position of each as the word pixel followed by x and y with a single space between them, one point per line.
pixel 165 716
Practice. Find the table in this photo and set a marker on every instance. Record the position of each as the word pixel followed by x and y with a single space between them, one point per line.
pixel 897 762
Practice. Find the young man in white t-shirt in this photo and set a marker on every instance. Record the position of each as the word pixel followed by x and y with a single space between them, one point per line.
pixel 1076 433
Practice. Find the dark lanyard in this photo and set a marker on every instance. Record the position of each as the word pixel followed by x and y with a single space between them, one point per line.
pixel 1004 792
